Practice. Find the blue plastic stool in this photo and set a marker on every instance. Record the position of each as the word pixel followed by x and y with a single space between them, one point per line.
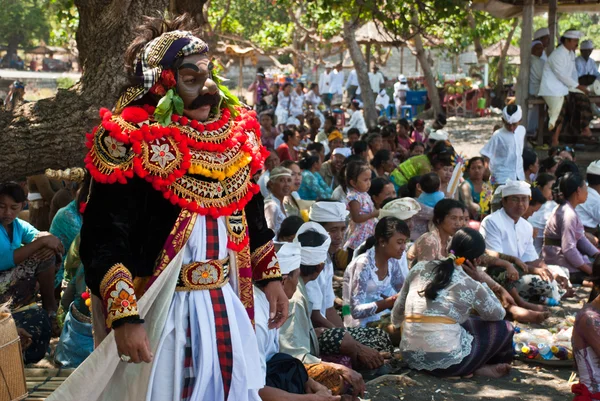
pixel 406 112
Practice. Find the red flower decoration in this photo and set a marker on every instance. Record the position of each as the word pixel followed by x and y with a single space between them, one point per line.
pixel 167 78
pixel 158 89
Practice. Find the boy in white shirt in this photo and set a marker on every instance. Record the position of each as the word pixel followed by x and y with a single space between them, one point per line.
pixel 505 148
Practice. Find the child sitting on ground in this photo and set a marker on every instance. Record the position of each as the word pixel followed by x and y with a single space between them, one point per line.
pixel 430 185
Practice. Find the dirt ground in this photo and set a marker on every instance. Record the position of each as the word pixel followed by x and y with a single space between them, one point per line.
pixel 469 135
pixel 527 381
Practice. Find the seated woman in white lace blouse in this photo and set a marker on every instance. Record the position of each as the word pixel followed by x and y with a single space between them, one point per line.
pixel 374 278
pixel 438 333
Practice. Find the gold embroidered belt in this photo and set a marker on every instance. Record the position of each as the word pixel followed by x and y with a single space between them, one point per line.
pixel 206 275
pixel 429 319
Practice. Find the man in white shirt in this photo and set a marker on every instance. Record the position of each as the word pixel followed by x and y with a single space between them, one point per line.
pixel 352 85
pixel 543 35
pixel 561 90
pixel 325 85
pixel 400 89
pixel 586 65
pixel 376 80
pixel 336 84
pixel 332 216
pixel 505 231
pixel 535 79
pixel 589 211
pixel 505 147
pixel 382 102
pixel 268 339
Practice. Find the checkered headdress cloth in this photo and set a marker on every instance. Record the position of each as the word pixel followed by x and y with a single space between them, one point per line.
pixel 161 52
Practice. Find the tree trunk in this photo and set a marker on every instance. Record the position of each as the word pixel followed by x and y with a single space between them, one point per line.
pixel 362 73
pixel 476 38
pixel 432 92
pixel 11 49
pixel 501 62
pixel 50 133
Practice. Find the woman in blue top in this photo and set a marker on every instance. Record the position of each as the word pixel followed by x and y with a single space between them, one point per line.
pixel 313 186
pixel 27 257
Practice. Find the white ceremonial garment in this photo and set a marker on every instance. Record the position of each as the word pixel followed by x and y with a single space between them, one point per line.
pixel 586 67
pixel 320 291
pixel 104 377
pixel 376 80
pixel 357 120
pixel 505 150
pixel 536 70
pixel 400 95
pixel 267 339
pixel 560 74
pixel 589 212
pixel 502 235
pixel 274 213
pixel 538 220
pixel 352 79
pixel 324 82
pixel 297 105
pixel 336 85
pixel 196 307
pixel 382 100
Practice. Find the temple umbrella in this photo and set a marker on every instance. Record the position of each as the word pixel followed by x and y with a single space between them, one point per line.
pixel 241 53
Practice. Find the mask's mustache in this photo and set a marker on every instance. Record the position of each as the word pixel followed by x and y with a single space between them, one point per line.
pixel 203 100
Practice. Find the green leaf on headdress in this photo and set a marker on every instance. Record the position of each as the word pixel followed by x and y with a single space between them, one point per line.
pixel 231 101
pixel 177 104
pixel 164 109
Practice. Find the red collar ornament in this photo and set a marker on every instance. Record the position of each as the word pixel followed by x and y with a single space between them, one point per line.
pixel 203 167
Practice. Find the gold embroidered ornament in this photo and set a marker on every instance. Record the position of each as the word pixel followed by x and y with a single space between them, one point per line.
pixel 174 157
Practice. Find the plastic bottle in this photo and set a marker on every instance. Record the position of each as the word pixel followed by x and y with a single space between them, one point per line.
pixel 531 351
pixel 549 301
pixel 347 316
pixel 545 351
pixel 518 348
pixel 561 352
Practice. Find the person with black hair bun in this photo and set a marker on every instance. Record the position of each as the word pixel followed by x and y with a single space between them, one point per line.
pixel 439 333
pixel 441 155
pixel 586 339
pixel 28 258
pixel 549 164
pixel 313 186
pixel 565 243
pixel 531 165
pixel 374 277
pixel 505 147
pixel 383 163
pixel 381 189
pixel 289 227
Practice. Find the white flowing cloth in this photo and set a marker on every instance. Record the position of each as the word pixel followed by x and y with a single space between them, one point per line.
pixel 102 376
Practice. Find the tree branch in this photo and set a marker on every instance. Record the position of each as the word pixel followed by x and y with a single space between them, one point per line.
pixel 217 27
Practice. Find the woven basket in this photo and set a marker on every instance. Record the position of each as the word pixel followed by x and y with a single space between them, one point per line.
pixel 12 374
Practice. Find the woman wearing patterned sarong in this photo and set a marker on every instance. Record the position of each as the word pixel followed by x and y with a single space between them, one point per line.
pixel 433 309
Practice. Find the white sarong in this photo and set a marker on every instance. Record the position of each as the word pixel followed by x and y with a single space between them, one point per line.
pixel 103 377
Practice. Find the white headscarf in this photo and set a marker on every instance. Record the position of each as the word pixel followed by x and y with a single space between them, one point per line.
pixel 515 188
pixel 515 117
pixel 313 255
pixel 328 212
pixel 594 168
pixel 536 42
pixel 572 34
pixel 540 33
pixel 289 257
pixel 586 45
pixel 346 152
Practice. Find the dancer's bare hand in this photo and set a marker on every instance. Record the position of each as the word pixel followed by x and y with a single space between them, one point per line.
pixel 278 304
pixel 132 341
